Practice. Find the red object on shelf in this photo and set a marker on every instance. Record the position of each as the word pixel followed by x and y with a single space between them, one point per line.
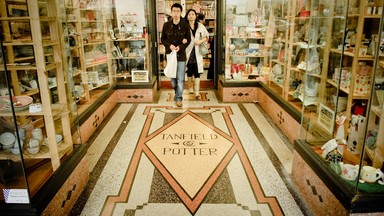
pixel 305 13
pixel 359 110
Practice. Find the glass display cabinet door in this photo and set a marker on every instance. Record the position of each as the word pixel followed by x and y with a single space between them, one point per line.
pixel 128 42
pixel 372 164
pixel 244 40
pixel 13 183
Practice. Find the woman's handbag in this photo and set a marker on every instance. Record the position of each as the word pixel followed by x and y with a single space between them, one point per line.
pixel 203 47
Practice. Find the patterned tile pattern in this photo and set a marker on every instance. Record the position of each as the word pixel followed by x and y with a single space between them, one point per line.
pixel 90 125
pixel 289 126
pixel 249 181
pixel 134 95
pixel 65 199
pixel 318 197
pixel 239 94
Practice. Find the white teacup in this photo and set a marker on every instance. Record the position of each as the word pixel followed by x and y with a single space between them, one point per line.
pixel 349 171
pixel 33 84
pixel 37 134
pixel 34 143
pixel 370 174
pixel 17 142
pixel 21 133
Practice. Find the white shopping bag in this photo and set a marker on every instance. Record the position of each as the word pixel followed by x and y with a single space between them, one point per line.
pixel 171 68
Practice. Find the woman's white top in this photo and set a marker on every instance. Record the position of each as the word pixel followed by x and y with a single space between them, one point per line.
pixel 199 58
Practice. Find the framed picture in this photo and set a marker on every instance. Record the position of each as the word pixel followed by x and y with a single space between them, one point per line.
pixel 140 76
pixel 326 118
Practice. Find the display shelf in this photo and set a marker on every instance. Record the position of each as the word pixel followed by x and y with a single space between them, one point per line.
pixel 93 42
pixel 96 63
pixel 249 56
pixel 44 43
pixel 315 75
pixel 123 75
pixel 19 59
pixel 336 85
pixel 244 37
pixel 99 86
pixel 347 53
pixel 30 92
pixel 26 18
pixel 128 39
pixel 56 110
pixel 44 152
pixel 128 54
pixel 377 16
pixel 278 62
pixel 77 73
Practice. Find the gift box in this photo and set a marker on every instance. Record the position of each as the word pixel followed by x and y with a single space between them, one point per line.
pixel 362 85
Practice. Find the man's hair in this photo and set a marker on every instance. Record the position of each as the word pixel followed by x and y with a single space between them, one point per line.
pixel 177 5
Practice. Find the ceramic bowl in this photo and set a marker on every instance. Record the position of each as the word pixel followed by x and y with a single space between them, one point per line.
pixel 79 90
pixel 15 150
pixel 34 143
pixel 22 132
pixel 7 139
pixel 17 142
pixel 59 138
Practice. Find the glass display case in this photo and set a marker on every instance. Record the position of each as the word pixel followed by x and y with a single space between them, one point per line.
pixel 293 36
pixel 109 45
pixel 60 60
pixel 342 133
pixel 13 181
pixel 37 113
pixel 244 38
pixel 128 42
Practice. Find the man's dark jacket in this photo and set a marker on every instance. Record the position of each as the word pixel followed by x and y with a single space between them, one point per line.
pixel 174 34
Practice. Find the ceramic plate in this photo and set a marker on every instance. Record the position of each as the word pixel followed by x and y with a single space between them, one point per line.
pixel 7 138
pixel 19 103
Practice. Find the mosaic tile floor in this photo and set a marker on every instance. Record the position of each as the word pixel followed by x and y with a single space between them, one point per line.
pixel 206 158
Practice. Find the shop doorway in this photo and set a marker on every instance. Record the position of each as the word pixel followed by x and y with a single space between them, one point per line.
pixel 163 13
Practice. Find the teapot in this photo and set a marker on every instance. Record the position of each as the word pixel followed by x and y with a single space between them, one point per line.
pixel 349 171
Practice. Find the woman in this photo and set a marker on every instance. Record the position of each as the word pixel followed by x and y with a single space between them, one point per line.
pixel 195 63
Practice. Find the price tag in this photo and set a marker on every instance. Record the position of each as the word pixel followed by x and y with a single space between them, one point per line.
pixel 16 195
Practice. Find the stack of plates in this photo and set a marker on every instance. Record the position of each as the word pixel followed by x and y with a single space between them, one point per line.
pixel 7 139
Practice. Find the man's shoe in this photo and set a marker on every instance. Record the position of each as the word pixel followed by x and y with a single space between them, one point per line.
pixel 179 103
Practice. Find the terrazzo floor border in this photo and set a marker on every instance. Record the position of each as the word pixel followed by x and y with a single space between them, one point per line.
pixel 96 172
pixel 273 157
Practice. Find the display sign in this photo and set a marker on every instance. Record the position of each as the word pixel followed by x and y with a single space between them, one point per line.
pixel 15 196
pixel 140 76
pixel 326 118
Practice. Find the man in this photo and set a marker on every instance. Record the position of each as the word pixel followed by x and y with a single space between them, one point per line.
pixel 176 36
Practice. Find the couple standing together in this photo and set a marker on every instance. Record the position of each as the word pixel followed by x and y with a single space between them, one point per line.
pixel 185 38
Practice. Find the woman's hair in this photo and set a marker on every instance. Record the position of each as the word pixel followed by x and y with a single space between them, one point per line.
pixel 200 16
pixel 196 24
